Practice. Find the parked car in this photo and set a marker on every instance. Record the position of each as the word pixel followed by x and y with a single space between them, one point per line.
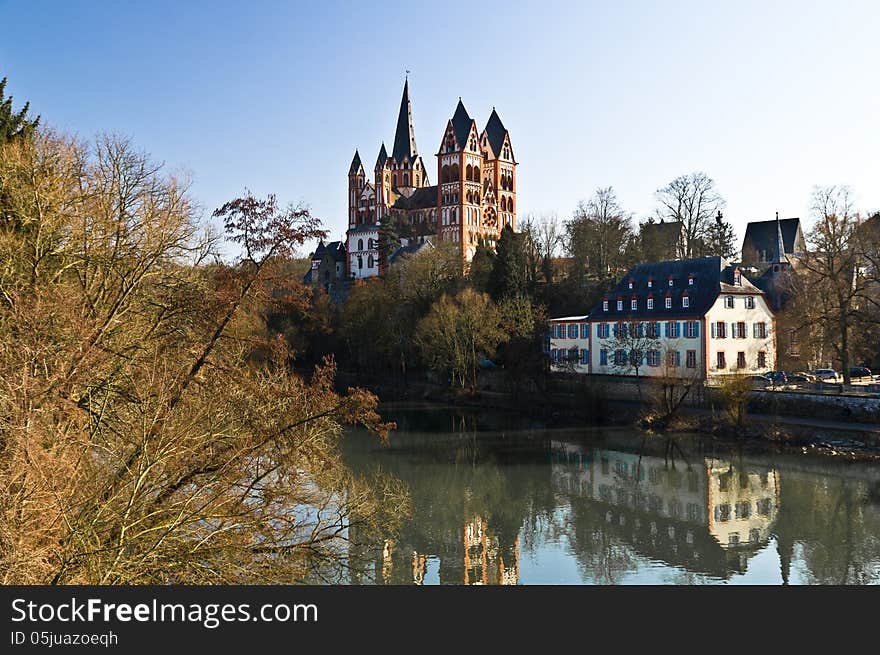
pixel 801 377
pixel 860 372
pixel 760 381
pixel 826 374
pixel 778 378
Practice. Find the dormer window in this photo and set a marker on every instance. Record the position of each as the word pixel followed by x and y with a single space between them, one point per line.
pixel 685 300
pixel 620 305
pixel 737 278
pixel 604 305
pixel 650 283
pixel 690 280
pixel 630 284
pixel 668 302
pixel 633 304
pixel 669 281
pixel 650 303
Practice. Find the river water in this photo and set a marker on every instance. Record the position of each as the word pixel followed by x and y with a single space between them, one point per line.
pixel 503 500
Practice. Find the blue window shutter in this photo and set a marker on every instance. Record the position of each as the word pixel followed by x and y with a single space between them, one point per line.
pixel 714 331
pixel 697 328
pixel 677 358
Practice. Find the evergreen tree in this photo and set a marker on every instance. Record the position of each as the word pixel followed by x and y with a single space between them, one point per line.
pixel 13 125
pixel 481 267
pixel 389 240
pixel 720 238
pixel 509 277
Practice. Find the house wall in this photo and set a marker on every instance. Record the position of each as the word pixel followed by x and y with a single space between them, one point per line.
pixel 666 343
pixel 366 236
pixel 567 344
pixel 750 345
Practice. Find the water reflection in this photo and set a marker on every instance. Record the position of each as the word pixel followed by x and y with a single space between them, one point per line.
pixel 704 514
pixel 495 502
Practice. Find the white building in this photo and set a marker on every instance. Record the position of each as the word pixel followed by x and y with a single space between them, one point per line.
pixel 686 318
pixel 363 251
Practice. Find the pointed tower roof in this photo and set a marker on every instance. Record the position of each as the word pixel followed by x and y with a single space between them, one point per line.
pixel 405 136
pixel 780 243
pixel 383 156
pixel 461 123
pixel 355 164
pixel 495 131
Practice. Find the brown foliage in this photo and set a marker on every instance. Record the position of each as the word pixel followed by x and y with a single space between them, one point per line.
pixel 140 439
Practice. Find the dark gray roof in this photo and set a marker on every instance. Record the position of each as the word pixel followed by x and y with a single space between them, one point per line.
pixel 712 276
pixel 761 235
pixel 366 227
pixel 355 163
pixel 383 156
pixel 495 131
pixel 404 137
pixel 461 123
pixel 422 198
pixel 335 250
pixel 410 249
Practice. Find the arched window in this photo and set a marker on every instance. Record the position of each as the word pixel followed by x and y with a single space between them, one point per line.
pixel 510 205
pixel 469 173
pixel 360 262
pixel 406 179
pixel 455 172
pixel 370 261
pixel 360 244
pixel 476 173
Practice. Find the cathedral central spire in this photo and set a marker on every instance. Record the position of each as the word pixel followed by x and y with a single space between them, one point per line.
pixel 405 136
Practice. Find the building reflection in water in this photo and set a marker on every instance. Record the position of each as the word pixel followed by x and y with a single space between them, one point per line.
pixel 704 513
pixel 618 506
pixel 485 559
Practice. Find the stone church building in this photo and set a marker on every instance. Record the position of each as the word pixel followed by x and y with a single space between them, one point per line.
pixel 473 198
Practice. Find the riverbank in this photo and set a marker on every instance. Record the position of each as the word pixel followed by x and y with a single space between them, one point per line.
pixel 588 401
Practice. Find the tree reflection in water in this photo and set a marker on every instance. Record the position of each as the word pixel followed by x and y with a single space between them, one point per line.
pixel 488 491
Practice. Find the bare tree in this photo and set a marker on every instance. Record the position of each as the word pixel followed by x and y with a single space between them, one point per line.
pixel 833 272
pixel 600 236
pixel 545 234
pixel 151 428
pixel 632 344
pixel 694 201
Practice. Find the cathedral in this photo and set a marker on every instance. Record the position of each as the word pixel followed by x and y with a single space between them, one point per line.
pixel 473 198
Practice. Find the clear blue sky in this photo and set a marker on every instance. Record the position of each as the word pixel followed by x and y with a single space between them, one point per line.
pixel 768 98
